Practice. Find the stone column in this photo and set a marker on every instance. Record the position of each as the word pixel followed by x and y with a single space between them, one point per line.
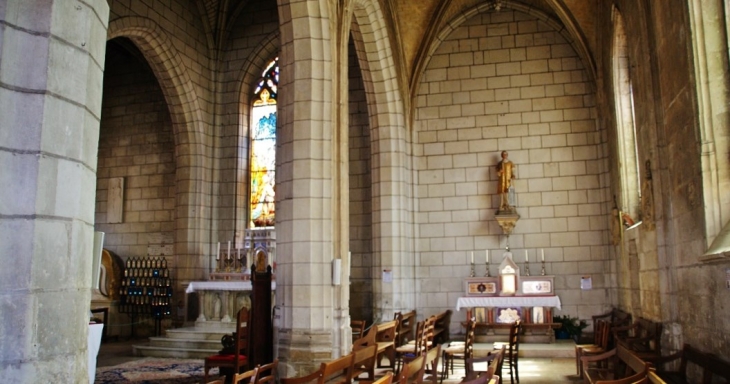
pixel 51 70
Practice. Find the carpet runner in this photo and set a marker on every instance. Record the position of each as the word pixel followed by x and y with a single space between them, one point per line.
pixel 153 370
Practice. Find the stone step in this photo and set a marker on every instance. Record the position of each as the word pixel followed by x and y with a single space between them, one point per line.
pixel 178 353
pixel 193 333
pixel 168 342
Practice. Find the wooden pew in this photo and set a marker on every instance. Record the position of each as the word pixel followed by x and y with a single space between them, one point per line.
pixel 634 370
pixel 383 336
pixel 442 323
pixel 406 326
pixel 338 371
pixel 364 361
pixel 712 367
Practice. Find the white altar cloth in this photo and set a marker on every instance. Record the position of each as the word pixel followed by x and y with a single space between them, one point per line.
pixel 237 285
pixel 508 301
pixel 92 348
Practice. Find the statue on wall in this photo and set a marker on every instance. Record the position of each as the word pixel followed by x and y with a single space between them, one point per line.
pixel 506 173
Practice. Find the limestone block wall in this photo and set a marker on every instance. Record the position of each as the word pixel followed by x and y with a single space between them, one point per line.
pixel 136 143
pixel 510 81
pixel 249 47
pixel 361 237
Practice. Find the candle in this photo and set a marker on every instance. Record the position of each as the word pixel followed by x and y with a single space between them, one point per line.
pixel 239 253
pixel 542 254
pixel 486 256
pixel 527 258
pixel 218 251
pixel 472 257
pixel 228 255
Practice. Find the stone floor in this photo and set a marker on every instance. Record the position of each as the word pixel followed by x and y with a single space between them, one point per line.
pixel 539 363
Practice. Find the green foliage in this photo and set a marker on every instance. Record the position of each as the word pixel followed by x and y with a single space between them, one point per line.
pixel 572 325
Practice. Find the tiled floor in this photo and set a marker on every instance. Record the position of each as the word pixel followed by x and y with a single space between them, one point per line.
pixel 560 368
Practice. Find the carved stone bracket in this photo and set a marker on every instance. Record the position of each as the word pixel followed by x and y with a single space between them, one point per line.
pixel 507 220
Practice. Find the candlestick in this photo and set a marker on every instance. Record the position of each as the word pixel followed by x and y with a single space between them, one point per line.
pixel 542 255
pixel 527 258
pixel 527 264
pixel 472 257
pixel 218 251
pixel 486 262
pixel 239 253
pixel 228 255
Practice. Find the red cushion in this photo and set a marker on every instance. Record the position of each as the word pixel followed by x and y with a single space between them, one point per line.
pixel 225 358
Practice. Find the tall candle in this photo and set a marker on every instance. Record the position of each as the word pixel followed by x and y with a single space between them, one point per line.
pixel 239 253
pixel 472 257
pixel 218 251
pixel 486 255
pixel 542 254
pixel 527 258
pixel 228 255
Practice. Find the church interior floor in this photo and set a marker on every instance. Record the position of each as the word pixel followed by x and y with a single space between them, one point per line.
pixel 538 363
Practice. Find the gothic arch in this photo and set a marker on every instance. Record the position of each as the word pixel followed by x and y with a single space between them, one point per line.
pixel 188 128
pixel 391 169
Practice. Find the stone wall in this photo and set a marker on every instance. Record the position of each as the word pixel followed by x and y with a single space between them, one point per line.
pixel 136 143
pixel 509 81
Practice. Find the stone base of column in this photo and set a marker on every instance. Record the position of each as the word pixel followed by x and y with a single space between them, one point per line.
pixel 301 351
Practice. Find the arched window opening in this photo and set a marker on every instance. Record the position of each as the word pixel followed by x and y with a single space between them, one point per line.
pixel 628 156
pixel 262 165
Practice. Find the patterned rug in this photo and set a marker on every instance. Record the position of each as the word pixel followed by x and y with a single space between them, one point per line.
pixel 153 370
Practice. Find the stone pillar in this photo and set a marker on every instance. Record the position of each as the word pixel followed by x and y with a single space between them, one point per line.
pixel 305 296
pixel 51 70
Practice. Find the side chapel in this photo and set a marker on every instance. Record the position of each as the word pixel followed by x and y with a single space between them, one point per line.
pixel 353 144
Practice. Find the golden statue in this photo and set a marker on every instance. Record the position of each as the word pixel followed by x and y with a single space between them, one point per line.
pixel 505 172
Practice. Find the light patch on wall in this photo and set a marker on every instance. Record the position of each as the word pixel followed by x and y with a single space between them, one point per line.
pixel 115 201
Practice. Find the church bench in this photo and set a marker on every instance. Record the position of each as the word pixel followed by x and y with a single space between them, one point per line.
pixel 442 321
pixel 617 366
pixel 711 366
pixel 383 336
pixel 643 337
pixel 364 361
pixel 406 324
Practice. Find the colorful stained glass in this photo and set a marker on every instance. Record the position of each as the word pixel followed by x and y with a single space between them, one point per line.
pixel 263 149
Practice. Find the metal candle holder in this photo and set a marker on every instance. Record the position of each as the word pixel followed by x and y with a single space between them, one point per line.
pixel 542 272
pixel 527 268
pixel 473 272
pixel 486 273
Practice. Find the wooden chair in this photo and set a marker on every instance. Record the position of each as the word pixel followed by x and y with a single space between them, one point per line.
pixel 511 354
pixel 493 362
pixel 220 380
pixel 240 378
pixel 600 344
pixel 266 373
pixel 337 371
pixel 409 351
pixel 459 351
pixel 358 329
pixel 235 361
pixel 386 379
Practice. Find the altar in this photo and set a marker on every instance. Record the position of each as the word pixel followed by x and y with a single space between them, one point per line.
pixel 494 314
pixel 219 301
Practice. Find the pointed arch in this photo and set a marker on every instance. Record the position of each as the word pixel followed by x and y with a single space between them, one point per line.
pixel 391 169
pixel 191 149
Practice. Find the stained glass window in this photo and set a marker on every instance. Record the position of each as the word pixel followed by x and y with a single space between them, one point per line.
pixel 263 148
